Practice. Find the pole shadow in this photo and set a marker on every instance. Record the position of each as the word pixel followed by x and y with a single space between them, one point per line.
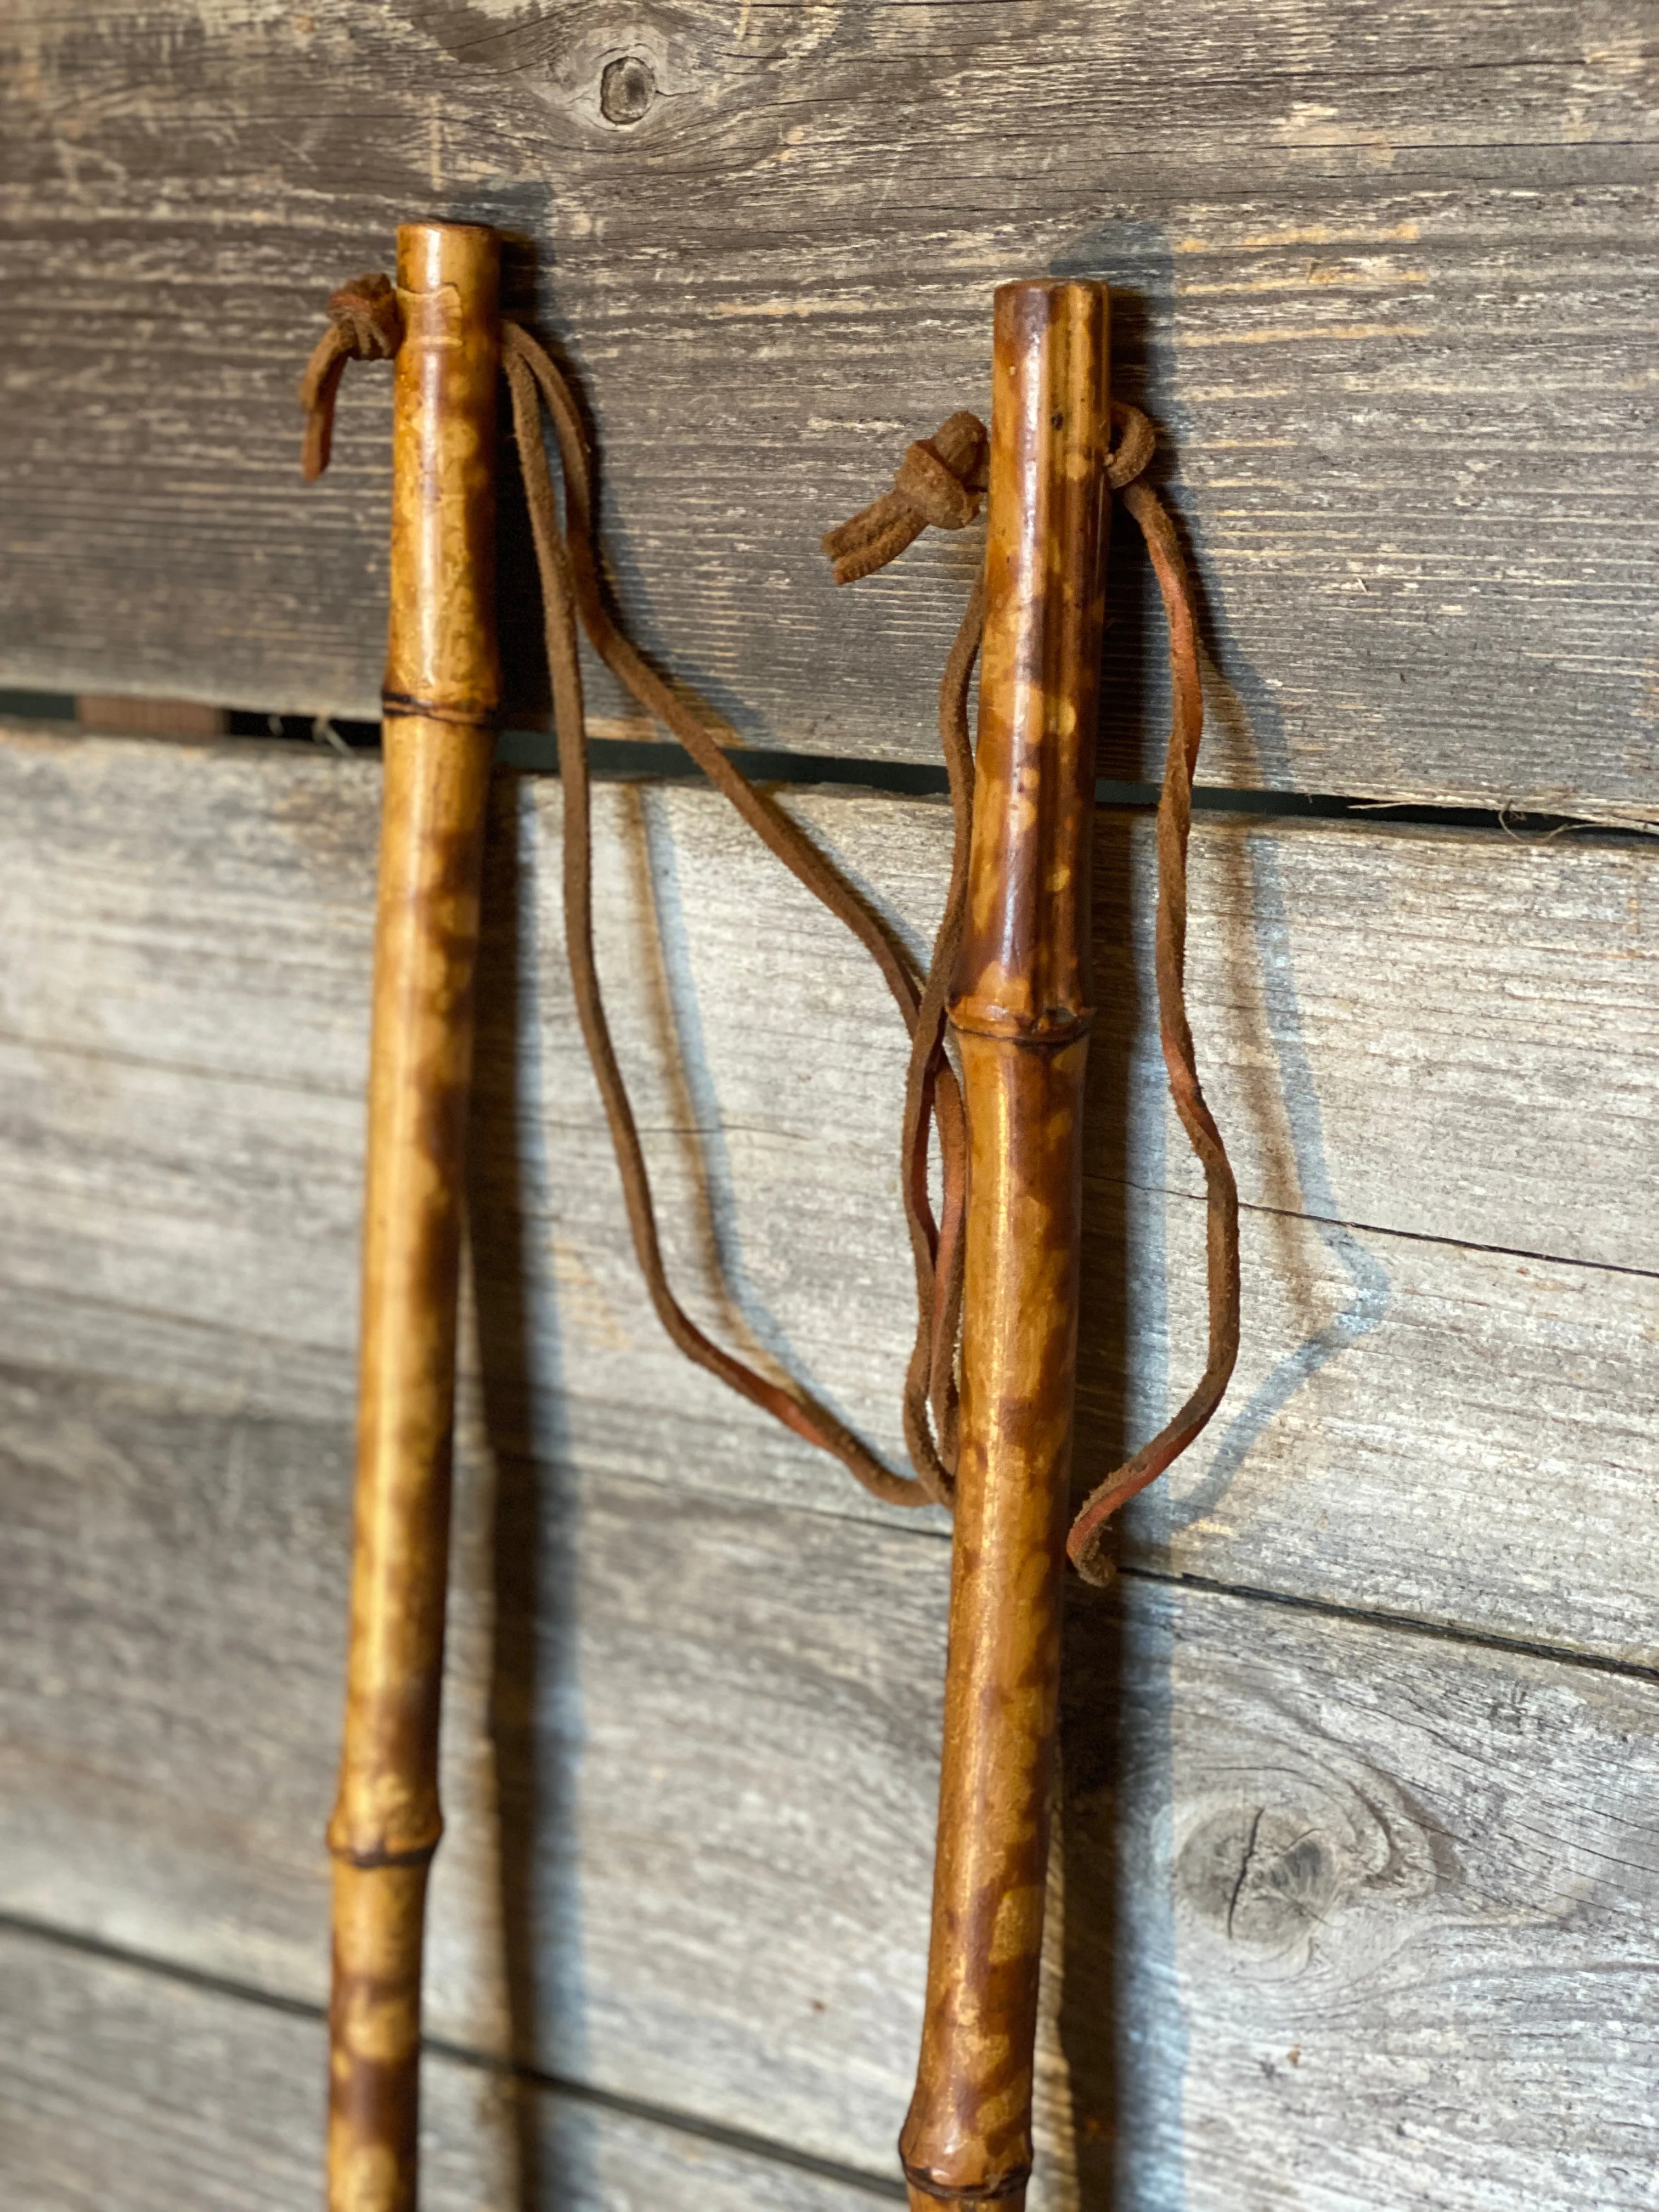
pixel 535 1692
pixel 1122 2030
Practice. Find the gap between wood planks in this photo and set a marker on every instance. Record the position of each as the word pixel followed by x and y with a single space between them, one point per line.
pixel 1362 1228
pixel 629 759
pixel 1406 1623
pixel 875 2185
pixel 113 1057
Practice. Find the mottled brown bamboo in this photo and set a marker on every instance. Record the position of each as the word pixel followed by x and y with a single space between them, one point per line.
pixel 1021 1016
pixel 441 688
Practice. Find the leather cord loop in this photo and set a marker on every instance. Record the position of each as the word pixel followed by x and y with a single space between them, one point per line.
pixel 571 593
pixel 930 1398
pixel 940 483
pixel 1132 449
pixel 1086 1543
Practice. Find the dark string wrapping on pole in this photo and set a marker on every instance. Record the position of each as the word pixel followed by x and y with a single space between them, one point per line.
pixel 940 483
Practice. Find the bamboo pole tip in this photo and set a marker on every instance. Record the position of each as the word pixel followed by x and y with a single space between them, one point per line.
pixel 1036 313
pixel 1046 299
pixel 435 252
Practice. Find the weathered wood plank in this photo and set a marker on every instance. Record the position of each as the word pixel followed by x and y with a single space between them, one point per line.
pixel 1458 1436
pixel 1360 1832
pixel 1444 1035
pixel 1408 1033
pixel 123 2088
pixel 673 1917
pixel 1383 275
pixel 1353 1916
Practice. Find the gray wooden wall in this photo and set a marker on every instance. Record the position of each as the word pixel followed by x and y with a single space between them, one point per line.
pixel 1357 1873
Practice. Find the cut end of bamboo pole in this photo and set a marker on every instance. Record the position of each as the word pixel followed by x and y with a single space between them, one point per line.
pixel 441 658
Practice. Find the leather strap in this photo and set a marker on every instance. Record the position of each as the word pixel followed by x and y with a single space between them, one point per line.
pixel 940 483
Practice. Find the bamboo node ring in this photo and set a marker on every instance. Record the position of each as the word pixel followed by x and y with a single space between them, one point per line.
pixel 876 535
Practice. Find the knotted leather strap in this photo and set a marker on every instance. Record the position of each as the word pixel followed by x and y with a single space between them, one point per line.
pixel 857 548
pixel 940 483
pixel 941 480
pixel 365 323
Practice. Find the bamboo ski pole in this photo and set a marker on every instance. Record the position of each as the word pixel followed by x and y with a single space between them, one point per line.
pixel 1020 1013
pixel 1014 948
pixel 441 688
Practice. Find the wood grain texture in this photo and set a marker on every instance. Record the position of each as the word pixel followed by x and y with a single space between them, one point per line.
pixel 1406 1037
pixel 1382 273
pixel 124 2091
pixel 1441 1034
pixel 1350 1916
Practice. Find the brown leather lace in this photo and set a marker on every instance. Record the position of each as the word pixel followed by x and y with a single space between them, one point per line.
pixel 940 483
pixel 365 323
pixel 1175 814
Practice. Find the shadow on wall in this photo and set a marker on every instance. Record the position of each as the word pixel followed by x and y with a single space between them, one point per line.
pixel 1122 2040
pixel 536 1707
pixel 750 1326
pixel 1244 726
pixel 1121 2030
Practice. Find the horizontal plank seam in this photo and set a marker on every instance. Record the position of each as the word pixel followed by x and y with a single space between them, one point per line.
pixel 1436 1632
pixel 678 2123
pixel 927 1522
pixel 900 779
pixel 904 1524
pixel 931 1530
pixel 831 1508
pixel 646 761
pixel 1382 1229
pixel 1455 1244
pixel 760 2148
pixel 550 1126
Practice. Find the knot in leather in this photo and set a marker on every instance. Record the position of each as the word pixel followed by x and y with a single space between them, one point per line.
pixel 1133 445
pixel 941 481
pixel 365 323
pixel 366 319
pixel 942 490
